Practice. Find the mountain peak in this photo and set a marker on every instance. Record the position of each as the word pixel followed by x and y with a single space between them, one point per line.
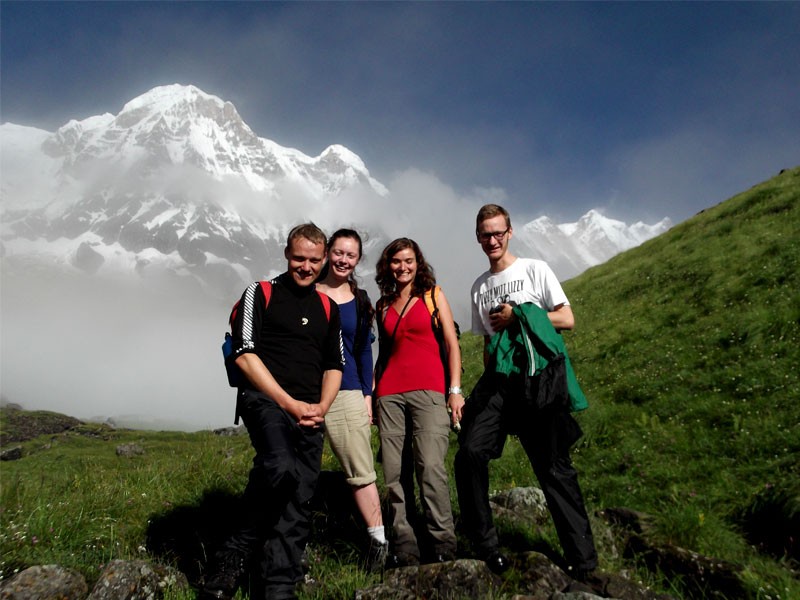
pixel 165 96
pixel 178 107
pixel 339 152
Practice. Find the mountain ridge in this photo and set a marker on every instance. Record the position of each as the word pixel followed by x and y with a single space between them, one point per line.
pixel 178 182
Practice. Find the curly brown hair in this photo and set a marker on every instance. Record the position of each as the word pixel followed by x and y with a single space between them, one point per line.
pixel 423 280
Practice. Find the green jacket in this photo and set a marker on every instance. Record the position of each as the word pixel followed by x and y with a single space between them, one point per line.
pixel 519 349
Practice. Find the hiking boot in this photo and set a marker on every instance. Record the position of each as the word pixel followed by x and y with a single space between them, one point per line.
pixel 222 583
pixel 497 562
pixel 582 574
pixel 401 559
pixel 443 557
pixel 376 556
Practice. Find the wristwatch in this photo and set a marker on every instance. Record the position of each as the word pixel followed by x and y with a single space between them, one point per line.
pixel 456 389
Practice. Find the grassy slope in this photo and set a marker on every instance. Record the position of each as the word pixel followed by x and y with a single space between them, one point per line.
pixel 687 348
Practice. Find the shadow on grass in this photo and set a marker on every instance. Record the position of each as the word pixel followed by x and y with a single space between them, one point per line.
pixel 189 536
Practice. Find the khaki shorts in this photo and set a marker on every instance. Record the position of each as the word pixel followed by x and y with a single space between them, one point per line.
pixel 348 430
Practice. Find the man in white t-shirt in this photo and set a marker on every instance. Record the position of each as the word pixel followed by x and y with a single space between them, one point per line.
pixel 497 408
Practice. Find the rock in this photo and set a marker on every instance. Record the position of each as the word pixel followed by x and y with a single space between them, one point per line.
pixel 539 576
pixel 230 431
pixel 578 595
pixel 136 580
pixel 14 453
pixel 457 579
pixel 87 258
pixel 521 504
pixel 23 425
pixel 45 582
pixel 129 450
pixel 611 585
pixel 702 576
pixel 626 518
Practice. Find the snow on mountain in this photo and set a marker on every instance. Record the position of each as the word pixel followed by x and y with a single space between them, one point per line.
pixel 182 125
pixel 177 182
pixel 123 238
pixel 571 248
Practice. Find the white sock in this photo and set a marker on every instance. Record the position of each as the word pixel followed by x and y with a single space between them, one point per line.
pixel 377 534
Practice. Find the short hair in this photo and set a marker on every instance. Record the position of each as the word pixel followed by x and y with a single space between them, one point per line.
pixel 423 281
pixel 308 231
pixel 488 211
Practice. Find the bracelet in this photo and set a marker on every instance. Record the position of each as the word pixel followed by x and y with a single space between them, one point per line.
pixel 456 389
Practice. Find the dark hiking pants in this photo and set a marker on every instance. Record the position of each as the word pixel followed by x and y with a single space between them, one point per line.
pixel 280 485
pixel 491 414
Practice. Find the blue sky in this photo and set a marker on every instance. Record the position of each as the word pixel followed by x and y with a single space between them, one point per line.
pixel 643 110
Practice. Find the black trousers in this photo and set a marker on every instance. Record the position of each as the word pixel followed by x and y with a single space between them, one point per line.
pixel 281 483
pixel 496 409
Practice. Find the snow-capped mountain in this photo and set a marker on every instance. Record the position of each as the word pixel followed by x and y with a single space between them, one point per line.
pixel 571 248
pixel 177 182
pixel 112 227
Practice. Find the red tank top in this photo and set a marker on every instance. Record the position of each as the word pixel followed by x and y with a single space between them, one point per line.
pixel 414 363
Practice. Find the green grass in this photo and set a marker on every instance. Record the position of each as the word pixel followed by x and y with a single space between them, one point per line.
pixel 687 348
pixel 73 501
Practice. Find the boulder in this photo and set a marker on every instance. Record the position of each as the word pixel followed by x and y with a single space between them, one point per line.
pixel 456 579
pixel 129 450
pixel 136 580
pixel 44 582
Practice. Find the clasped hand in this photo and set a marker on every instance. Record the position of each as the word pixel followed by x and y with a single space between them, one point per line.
pixel 307 415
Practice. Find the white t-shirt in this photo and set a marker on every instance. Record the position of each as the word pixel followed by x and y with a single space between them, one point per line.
pixel 525 280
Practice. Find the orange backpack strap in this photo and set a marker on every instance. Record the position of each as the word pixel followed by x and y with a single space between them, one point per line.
pixel 430 302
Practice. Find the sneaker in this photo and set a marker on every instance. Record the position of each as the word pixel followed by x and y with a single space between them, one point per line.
pixel 376 556
pixel 222 583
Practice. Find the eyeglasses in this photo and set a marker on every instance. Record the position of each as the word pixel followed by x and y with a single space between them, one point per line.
pixel 485 236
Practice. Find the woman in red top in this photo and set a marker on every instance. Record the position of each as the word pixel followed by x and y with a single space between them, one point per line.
pixel 413 404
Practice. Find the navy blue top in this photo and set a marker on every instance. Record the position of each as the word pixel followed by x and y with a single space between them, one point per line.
pixel 357 373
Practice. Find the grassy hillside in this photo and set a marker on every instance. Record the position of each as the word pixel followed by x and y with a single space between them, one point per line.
pixel 687 348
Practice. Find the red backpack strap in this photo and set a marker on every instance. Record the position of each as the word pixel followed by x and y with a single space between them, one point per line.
pixel 326 304
pixel 266 288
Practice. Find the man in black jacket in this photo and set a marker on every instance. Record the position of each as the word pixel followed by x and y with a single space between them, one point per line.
pixel 290 352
